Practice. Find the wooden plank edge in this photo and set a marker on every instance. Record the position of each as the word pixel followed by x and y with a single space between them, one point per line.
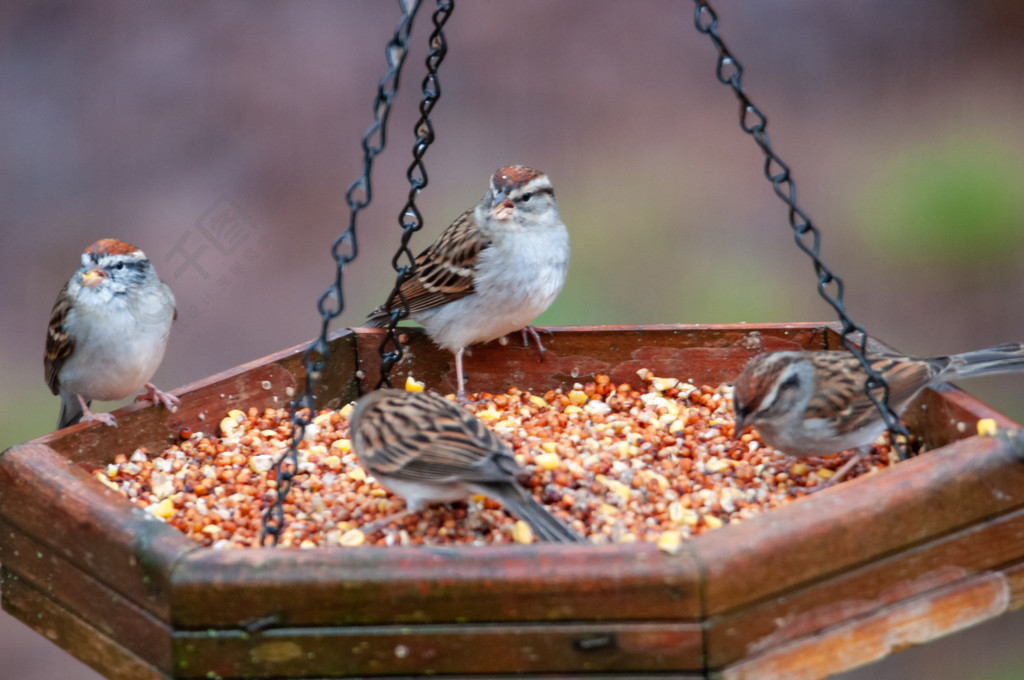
pixel 94 603
pixel 56 503
pixel 363 586
pixel 577 353
pixel 69 632
pixel 873 637
pixel 994 545
pixel 441 650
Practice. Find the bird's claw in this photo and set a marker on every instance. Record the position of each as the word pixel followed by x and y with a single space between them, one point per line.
pixel 155 396
pixel 536 337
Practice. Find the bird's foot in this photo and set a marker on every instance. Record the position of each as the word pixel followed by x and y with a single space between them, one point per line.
pixel 536 337
pixel 155 396
pixel 90 416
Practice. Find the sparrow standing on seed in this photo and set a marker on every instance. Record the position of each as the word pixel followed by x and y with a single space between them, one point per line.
pixel 108 332
pixel 429 450
pixel 814 403
pixel 493 270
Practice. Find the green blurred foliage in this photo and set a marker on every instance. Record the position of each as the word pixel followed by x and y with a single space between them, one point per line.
pixel 957 202
pixel 28 412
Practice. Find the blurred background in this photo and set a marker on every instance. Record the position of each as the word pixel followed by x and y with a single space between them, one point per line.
pixel 160 123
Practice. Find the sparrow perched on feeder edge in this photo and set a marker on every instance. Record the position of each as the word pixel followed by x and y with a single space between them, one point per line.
pixel 108 332
pixel 429 450
pixel 492 271
pixel 814 403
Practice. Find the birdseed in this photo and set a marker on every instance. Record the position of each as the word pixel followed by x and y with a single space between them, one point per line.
pixel 618 464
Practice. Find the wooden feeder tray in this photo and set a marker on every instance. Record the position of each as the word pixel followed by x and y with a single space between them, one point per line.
pixel 823 584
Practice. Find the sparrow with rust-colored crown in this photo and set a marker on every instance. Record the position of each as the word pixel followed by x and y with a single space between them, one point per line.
pixel 108 332
pixel 493 270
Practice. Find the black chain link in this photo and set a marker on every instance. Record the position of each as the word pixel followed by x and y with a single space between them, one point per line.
pixel 807 237
pixel 410 219
pixel 332 302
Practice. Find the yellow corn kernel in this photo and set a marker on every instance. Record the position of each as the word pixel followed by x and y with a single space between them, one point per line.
pixel 987 427
pixel 357 474
pixel 538 401
pixel 548 461
pixel 717 465
pixel 670 542
pixel 229 427
pixel 662 384
pixel 352 538
pixel 572 408
pixel 413 385
pixel 522 533
pixel 577 397
pixel 712 522
pixel 619 489
pixel 163 509
pixel 346 410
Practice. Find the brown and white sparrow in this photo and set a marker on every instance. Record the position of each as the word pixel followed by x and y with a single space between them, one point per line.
pixel 108 332
pixel 813 403
pixel 493 270
pixel 429 450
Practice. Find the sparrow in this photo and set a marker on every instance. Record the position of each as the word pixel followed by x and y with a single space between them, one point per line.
pixel 429 450
pixel 814 403
pixel 492 271
pixel 108 332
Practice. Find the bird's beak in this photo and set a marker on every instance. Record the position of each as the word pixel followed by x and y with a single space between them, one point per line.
pixel 93 277
pixel 739 424
pixel 502 207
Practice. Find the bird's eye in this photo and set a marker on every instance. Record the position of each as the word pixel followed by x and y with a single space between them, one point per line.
pixel 119 265
pixel 526 197
pixel 792 382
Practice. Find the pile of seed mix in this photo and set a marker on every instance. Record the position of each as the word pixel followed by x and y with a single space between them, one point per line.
pixel 618 464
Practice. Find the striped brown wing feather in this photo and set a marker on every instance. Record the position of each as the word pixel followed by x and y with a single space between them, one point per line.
pixel 847 403
pixel 58 343
pixel 419 437
pixel 444 271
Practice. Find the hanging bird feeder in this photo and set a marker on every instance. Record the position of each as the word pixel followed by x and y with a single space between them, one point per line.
pixel 811 588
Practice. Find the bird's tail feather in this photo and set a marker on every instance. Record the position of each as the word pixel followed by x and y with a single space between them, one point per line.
pixel 1008 358
pixel 70 410
pixel 378 318
pixel 546 527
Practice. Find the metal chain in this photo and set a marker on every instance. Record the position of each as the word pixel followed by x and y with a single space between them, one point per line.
pixel 332 302
pixel 806 235
pixel 410 219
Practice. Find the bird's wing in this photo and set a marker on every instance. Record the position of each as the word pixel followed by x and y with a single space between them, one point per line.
pixel 444 271
pixel 423 438
pixel 842 396
pixel 58 343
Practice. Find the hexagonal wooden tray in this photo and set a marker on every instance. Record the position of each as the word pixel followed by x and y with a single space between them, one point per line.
pixel 841 578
